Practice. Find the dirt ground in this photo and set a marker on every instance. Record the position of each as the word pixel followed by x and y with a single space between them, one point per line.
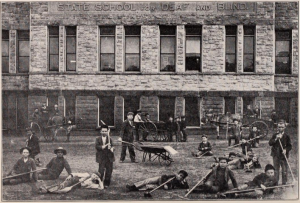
pixel 81 157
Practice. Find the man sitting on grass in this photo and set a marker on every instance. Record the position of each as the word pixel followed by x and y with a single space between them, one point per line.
pixel 151 183
pixel 204 148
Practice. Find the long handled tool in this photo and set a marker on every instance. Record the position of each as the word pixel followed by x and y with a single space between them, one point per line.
pixel 246 141
pixel 287 160
pixel 202 155
pixel 137 146
pixel 20 174
pixel 68 189
pixel 148 194
pixel 248 170
pixel 197 184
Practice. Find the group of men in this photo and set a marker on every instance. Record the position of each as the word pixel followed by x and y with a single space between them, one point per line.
pixel 216 180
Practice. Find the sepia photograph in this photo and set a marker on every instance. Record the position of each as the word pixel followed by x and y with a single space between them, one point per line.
pixel 149 100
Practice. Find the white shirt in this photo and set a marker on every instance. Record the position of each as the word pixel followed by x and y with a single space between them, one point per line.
pixel 137 118
pixel 103 140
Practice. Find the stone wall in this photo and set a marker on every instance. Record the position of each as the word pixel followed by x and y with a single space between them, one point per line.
pixel 286 15
pixel 38 47
pixel 294 111
pixel 267 104
pixel 214 103
pixel 119 112
pixel 150 105
pixel 120 45
pixel 12 51
pixel 87 50
pixel 15 15
pixel 87 109
pixel 179 106
pixel 180 53
pixel 295 52
pixel 286 83
pixel 14 82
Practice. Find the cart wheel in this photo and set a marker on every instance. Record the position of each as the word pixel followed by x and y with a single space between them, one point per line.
pixel 60 134
pixel 262 127
pixel 165 159
pixel 48 134
pixel 152 130
pixel 36 128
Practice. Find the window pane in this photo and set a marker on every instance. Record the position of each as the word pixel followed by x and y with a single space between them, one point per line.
pixel 167 45
pixel 71 62
pixel 23 34
pixel 192 111
pixel 282 65
pixel 5 34
pixel 53 45
pixel 5 64
pixel 53 30
pixel 107 45
pixel 5 48
pixel 107 30
pixel 282 48
pixel 230 45
pixel 248 63
pixel 229 105
pixel 132 62
pixel 167 30
pixel 71 30
pixel 23 65
pixel 193 45
pixel 282 35
pixel 192 62
pixel 53 63
pixel 23 48
pixel 193 30
pixel 230 30
pixel 167 62
pixel 230 63
pixel 107 62
pixel 249 30
pixel 166 107
pixel 132 45
pixel 132 30
pixel 249 45
pixel 71 45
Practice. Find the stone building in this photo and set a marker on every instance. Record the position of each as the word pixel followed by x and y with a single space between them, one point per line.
pixel 103 59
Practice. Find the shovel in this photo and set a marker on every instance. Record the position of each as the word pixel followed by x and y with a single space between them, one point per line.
pixel 23 174
pixel 148 194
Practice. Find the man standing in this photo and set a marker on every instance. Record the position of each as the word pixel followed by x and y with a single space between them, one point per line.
pixel 235 132
pixel 137 122
pixel 127 135
pixel 33 143
pixel 281 145
pixel 44 117
pixel 104 155
pixel 183 128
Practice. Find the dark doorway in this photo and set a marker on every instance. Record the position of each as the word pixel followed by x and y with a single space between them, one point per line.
pixel 282 107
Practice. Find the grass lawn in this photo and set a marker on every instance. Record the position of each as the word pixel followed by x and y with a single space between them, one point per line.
pixel 81 157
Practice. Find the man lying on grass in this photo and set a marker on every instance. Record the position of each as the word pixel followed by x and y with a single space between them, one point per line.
pixel 179 182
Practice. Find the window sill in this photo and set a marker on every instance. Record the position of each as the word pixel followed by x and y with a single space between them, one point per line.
pixel 15 74
pixel 286 75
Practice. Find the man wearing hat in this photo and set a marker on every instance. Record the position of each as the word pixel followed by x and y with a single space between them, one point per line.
pixel 33 143
pixel 218 179
pixel 151 183
pixel 23 165
pixel 263 180
pixel 235 132
pixel 104 154
pixel 281 145
pixel 204 148
pixel 56 166
pixel 183 129
pixel 137 122
pixel 127 135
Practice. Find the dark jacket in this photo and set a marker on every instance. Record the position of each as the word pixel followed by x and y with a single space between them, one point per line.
pixel 182 125
pixel 33 144
pixel 257 112
pixel 265 180
pixel 228 174
pixel 235 130
pixel 171 126
pixel 103 155
pixel 276 150
pixel 174 184
pixel 127 131
pixel 274 117
pixel 202 145
pixel 45 114
pixel 22 167
pixel 57 165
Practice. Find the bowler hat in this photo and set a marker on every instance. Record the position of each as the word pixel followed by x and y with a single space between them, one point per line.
pixel 130 113
pixel 28 148
pixel 223 158
pixel 232 154
pixel 204 135
pixel 184 173
pixel 269 167
pixel 61 150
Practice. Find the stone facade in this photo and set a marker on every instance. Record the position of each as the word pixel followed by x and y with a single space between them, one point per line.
pixel 62 45
pixel 286 84
pixel 16 82
pixel 286 15
pixel 150 104
pixel 295 52
pixel 87 109
pixel 179 106
pixel 38 45
pixel 119 62
pixel 12 51
pixel 267 104
pixel 15 15
pixel 180 54
pixel 214 103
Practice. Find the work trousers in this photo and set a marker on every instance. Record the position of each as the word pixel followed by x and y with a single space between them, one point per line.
pixel 277 162
pixel 131 152
pixel 106 166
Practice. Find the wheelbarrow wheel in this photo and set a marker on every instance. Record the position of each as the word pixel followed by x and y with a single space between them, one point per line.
pixel 151 130
pixel 261 126
pixel 37 130
pixel 165 159
pixel 48 134
pixel 60 134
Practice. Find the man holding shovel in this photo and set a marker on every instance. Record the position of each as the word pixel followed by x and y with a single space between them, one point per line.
pixel 204 148
pixel 281 146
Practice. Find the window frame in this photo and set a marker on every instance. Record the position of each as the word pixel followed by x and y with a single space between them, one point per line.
pixel 235 104
pixel 49 54
pixel 235 50
pixel 290 51
pixel 160 50
pixel 66 48
pixel 254 48
pixel 113 112
pixel 194 35
pixel 5 39
pixel 139 54
pixel 114 46
pixel 18 50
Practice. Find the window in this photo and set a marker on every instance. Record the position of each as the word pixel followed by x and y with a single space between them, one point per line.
pixel 106 110
pixel 132 48
pixel 166 107
pixel 248 101
pixel 71 48
pixel 230 48
pixel 107 48
pixel 23 51
pixel 131 104
pixel 193 48
pixel 5 51
pixel 249 46
pixel 283 52
pixel 229 105
pixel 167 48
pixel 53 48
pixel 282 107
pixel 192 111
